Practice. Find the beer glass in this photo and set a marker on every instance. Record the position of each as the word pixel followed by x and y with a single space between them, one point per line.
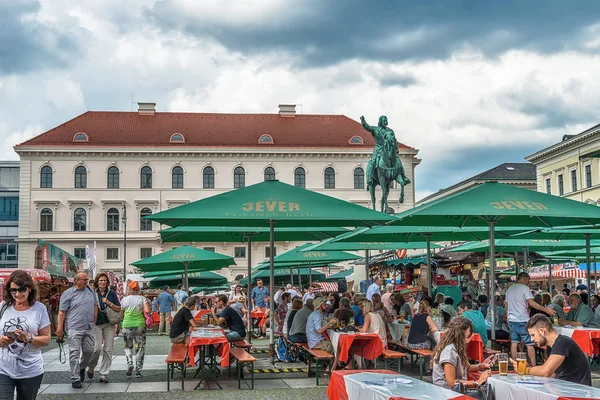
pixel 521 363
pixel 503 363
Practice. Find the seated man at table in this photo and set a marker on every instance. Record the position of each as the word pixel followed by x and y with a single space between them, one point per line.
pixel 297 330
pixel 344 314
pixel 315 328
pixel 566 361
pixel 579 314
pixel 476 318
pixel 180 327
pixel 230 317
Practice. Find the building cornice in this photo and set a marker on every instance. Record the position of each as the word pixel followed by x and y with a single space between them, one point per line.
pixel 564 145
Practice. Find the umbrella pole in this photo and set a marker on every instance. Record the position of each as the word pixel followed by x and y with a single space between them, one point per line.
pixel 299 279
pixel 186 282
pixel 595 278
pixel 271 282
pixel 588 260
pixel 367 256
pixel 309 275
pixel 492 298
pixel 525 259
pixel 550 278
pixel 292 277
pixel 429 271
pixel 248 297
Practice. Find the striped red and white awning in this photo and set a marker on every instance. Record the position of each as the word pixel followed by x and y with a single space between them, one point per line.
pixel 327 286
pixel 558 274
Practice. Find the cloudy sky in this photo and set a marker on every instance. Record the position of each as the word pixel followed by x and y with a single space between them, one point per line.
pixel 471 84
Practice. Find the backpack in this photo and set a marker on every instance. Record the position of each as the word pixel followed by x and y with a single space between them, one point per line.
pixel 282 352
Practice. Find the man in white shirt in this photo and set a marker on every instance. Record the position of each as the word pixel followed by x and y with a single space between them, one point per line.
pixel 518 301
pixel 292 291
pixel 278 294
pixel 374 288
pixel 310 294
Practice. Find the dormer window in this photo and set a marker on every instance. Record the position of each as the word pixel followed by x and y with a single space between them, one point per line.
pixel 265 139
pixel 177 138
pixel 356 140
pixel 80 137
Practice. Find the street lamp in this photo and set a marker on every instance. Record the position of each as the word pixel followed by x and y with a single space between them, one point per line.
pixel 124 244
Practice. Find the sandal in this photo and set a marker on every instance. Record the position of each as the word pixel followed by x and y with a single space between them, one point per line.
pixel 103 379
pixel 90 373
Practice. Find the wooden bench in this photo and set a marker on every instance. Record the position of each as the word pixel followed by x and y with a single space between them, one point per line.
pixel 242 357
pixel 392 355
pixel 318 355
pixel 420 354
pixel 176 359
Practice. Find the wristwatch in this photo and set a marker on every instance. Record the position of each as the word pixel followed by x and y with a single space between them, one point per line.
pixel 30 339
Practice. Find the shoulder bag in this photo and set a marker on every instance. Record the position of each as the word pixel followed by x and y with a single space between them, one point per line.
pixel 112 316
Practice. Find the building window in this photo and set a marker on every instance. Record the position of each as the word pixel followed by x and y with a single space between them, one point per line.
pixel 145 224
pixel 46 177
pixel 79 220
pixel 112 178
pixel 146 178
pixel 145 252
pixel 79 252
pixel 548 185
pixel 46 220
pixel 80 137
pixel 112 220
pixel 9 208
pixel 80 177
pixel 239 178
pixel 239 252
pixel 359 178
pixel 112 254
pixel 177 178
pixel 573 180
pixel 208 178
pixel 269 174
pixel 329 178
pixel 561 187
pixel 300 178
pixel 268 252
pixel 265 139
pixel 588 176
pixel 177 138
pixel 356 140
pixel 210 249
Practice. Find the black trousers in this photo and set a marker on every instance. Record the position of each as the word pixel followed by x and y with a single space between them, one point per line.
pixel 27 388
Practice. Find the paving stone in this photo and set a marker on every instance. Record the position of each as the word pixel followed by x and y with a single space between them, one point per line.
pixel 301 383
pixel 64 388
pixel 270 384
pixel 107 388
pixel 147 387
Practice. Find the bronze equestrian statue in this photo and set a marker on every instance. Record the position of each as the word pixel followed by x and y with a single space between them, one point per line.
pixel 385 166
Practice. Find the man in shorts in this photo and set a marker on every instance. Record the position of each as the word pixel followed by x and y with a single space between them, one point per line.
pixel 518 301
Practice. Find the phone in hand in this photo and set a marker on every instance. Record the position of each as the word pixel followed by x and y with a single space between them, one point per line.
pixel 11 335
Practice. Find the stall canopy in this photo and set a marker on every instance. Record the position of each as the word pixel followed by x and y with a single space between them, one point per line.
pixel 339 275
pixel 209 289
pixel 558 274
pixel 300 257
pixel 282 276
pixel 57 261
pixel 517 245
pixel 204 278
pixel 408 262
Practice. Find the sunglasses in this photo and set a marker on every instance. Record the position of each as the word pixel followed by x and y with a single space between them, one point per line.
pixel 20 289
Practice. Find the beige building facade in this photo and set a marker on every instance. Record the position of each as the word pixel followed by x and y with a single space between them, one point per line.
pixel 78 180
pixel 571 168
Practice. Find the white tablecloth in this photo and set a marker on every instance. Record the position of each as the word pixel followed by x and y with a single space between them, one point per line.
pixel 507 387
pixel 334 337
pixel 371 386
pixel 396 329
pixel 561 330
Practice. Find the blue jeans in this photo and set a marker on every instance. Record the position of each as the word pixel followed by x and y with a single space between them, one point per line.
pixel 518 332
pixel 233 336
pixel 298 338
pixel 26 388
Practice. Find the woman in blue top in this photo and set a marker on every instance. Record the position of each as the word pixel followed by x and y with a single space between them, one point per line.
pixel 105 331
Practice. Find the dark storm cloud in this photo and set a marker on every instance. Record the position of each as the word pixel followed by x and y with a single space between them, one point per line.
pixel 26 45
pixel 394 30
pixel 397 79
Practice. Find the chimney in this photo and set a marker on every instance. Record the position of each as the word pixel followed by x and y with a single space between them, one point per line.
pixel 146 108
pixel 287 110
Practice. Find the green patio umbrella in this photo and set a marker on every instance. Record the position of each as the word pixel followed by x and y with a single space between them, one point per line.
pixel 355 246
pixel 184 259
pixel 517 245
pixel 494 205
pixel 271 203
pixel 204 278
pixel 339 275
pixel 281 276
pixel 198 289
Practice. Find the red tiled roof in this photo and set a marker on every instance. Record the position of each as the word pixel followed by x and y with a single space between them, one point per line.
pixel 130 129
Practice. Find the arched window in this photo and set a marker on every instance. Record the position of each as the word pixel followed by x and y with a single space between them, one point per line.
pixel 79 220
pixel 146 178
pixel 80 137
pixel 145 224
pixel 329 178
pixel 177 178
pixel 112 219
pixel 112 178
pixel 239 178
pixel 177 138
pixel 300 177
pixel 208 178
pixel 46 220
pixel 46 177
pixel 80 177
pixel 269 174
pixel 359 178
pixel 356 140
pixel 265 139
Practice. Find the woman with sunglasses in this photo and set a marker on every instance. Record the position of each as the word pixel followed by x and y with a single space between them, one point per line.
pixel 105 331
pixel 25 328
pixel 451 363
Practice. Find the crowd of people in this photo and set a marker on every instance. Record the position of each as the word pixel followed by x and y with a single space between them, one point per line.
pixel 92 314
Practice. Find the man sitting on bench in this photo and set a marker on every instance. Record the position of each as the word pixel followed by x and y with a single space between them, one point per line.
pixel 180 327
pixel 315 328
pixel 297 330
pixel 231 318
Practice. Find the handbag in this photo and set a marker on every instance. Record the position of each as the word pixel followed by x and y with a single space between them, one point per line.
pixel 148 319
pixel 112 316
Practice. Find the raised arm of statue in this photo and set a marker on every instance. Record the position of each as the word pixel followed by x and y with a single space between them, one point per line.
pixel 366 126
